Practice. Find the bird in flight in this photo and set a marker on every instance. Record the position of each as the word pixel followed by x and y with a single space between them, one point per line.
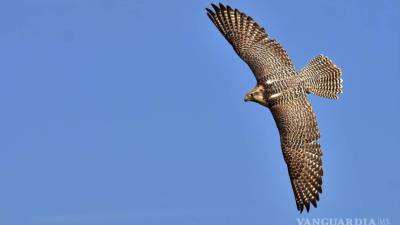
pixel 284 91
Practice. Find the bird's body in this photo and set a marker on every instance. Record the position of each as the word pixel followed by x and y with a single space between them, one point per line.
pixel 284 91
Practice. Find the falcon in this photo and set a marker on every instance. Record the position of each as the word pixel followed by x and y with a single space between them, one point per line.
pixel 283 90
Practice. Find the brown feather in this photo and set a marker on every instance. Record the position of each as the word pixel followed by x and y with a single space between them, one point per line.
pixel 284 92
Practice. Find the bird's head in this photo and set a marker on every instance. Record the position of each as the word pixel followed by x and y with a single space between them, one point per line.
pixel 256 95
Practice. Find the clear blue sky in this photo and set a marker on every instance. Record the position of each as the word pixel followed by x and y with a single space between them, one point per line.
pixel 131 112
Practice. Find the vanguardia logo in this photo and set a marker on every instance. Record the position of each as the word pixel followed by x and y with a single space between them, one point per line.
pixel 343 221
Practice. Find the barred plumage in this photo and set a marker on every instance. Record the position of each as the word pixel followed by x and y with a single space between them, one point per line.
pixel 284 91
pixel 250 41
pixel 322 77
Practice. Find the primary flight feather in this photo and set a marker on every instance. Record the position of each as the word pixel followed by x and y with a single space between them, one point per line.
pixel 284 91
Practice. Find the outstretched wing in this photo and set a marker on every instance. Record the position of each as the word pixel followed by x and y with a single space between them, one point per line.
pixel 299 133
pixel 265 57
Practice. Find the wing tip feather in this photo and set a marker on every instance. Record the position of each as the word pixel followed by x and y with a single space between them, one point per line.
pixel 209 11
pixel 215 7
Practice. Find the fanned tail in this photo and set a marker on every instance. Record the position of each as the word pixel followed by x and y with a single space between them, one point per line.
pixel 321 77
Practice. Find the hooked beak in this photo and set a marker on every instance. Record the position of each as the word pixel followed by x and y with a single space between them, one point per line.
pixel 246 98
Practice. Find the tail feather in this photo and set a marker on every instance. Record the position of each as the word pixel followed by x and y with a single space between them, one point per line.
pixel 321 77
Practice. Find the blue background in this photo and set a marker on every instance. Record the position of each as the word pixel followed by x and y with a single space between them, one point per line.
pixel 132 112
